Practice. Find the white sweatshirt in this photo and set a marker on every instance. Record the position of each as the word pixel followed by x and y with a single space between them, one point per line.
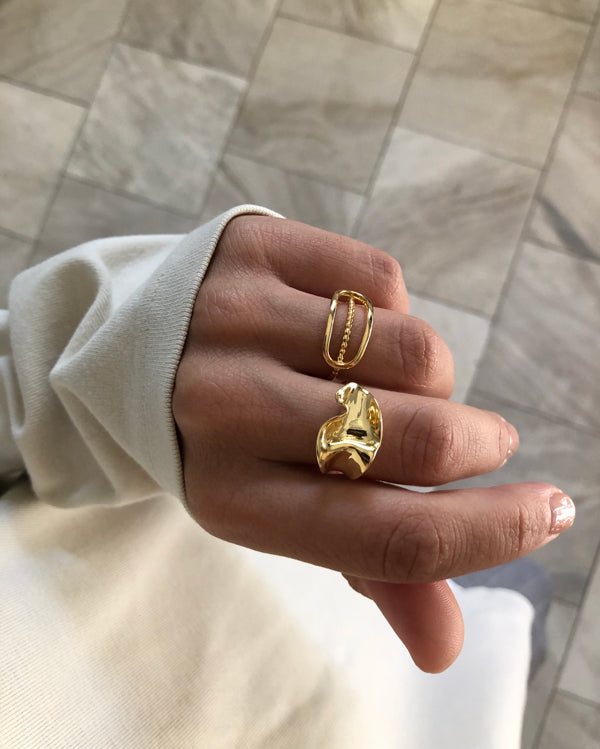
pixel 122 622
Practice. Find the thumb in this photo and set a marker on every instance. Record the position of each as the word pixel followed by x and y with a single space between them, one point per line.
pixel 425 616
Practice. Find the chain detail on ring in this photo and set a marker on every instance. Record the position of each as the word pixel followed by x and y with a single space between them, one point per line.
pixel 339 363
pixel 347 331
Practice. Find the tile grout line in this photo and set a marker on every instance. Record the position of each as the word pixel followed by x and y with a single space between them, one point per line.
pixel 418 131
pixel 566 652
pixel 340 186
pixel 532 411
pixel 75 101
pixel 476 148
pixel 63 171
pixel 541 179
pixel 588 95
pixel 368 193
pixel 15 235
pixel 544 244
pixel 566 603
pixel 346 32
pixel 258 55
pixel 233 151
pixel 135 197
pixel 449 303
pixel 179 58
pixel 562 118
pixel 577 698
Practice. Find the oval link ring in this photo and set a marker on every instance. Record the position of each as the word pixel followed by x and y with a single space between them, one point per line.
pixel 339 363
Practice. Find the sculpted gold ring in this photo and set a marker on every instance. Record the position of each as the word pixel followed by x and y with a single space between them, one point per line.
pixel 349 442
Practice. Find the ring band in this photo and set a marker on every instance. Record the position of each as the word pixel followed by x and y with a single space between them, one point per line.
pixel 348 443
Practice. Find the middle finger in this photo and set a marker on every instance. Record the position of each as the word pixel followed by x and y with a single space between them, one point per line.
pixel 404 353
pixel 426 441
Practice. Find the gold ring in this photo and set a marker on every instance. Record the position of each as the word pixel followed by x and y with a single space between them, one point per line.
pixel 353 297
pixel 348 443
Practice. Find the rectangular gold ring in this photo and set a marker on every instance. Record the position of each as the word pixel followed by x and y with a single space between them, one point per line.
pixel 329 329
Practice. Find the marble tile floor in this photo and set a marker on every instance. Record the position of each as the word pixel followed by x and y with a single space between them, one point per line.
pixel 461 136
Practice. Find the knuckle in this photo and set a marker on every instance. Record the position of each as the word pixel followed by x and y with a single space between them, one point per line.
pixel 415 550
pixel 215 405
pixel 386 273
pixel 216 408
pixel 229 312
pixel 216 312
pixel 433 443
pixel 524 528
pixel 222 302
pixel 249 234
pixel 213 516
pixel 421 351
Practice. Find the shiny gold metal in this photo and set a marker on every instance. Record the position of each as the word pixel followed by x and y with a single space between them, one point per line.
pixel 339 363
pixel 349 442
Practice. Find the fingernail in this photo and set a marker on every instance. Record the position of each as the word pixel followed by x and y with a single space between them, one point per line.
pixel 563 513
pixel 513 439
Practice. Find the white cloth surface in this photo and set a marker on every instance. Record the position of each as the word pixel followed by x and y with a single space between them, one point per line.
pixel 122 622
pixel 477 702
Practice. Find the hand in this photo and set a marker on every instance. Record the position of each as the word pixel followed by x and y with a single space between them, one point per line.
pixel 252 390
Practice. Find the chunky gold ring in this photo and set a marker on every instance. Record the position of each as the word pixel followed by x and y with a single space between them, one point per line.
pixel 349 442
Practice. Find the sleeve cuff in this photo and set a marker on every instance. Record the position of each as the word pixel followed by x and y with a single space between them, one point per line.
pixel 168 304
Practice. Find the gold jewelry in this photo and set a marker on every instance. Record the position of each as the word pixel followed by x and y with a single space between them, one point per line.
pixel 349 442
pixel 339 363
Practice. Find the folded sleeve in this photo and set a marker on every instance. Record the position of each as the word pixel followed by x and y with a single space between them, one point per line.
pixel 89 350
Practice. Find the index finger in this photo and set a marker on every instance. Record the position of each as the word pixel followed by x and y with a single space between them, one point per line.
pixel 320 262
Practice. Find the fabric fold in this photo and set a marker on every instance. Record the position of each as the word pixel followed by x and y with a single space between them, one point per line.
pixel 96 335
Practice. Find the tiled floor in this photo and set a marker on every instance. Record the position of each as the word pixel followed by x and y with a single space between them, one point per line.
pixel 461 136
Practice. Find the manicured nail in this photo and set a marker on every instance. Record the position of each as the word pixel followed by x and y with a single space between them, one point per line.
pixel 513 439
pixel 563 513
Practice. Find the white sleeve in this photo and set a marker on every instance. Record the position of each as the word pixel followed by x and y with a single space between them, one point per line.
pixel 89 349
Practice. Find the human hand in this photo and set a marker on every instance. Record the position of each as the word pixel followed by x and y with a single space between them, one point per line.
pixel 252 391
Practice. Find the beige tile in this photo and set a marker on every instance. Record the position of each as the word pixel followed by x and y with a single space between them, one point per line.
pixel 558 628
pixel 240 180
pixel 581 674
pixel 156 128
pixel 582 10
pixel 544 351
pixel 568 458
pixel 219 34
pixel 14 254
pixel 61 45
pixel 568 211
pixel 589 82
pixel 82 212
pixel 36 133
pixel 450 215
pixel 464 334
pixel 319 104
pixel 495 75
pixel 396 22
pixel 571 725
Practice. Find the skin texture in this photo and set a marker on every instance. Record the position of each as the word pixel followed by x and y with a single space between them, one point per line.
pixel 252 390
